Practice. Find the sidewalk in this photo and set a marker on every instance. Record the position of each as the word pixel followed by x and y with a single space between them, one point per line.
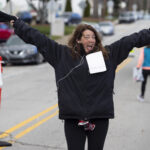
pixel 64 39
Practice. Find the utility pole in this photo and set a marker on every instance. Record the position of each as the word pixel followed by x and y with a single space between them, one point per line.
pixel 140 5
pixel 144 4
pixel 130 4
pixel 104 10
pixel 95 8
pixel 148 5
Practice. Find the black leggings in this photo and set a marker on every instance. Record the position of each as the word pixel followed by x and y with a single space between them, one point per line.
pixel 76 135
pixel 143 87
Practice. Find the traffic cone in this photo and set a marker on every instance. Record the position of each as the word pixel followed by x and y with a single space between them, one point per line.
pixel 1 81
pixel 2 143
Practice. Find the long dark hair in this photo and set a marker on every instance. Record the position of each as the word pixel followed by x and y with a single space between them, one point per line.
pixel 76 47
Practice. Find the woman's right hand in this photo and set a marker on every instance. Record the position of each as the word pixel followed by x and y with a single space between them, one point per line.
pixel 12 22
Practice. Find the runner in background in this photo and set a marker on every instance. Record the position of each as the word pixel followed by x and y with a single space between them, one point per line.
pixel 144 62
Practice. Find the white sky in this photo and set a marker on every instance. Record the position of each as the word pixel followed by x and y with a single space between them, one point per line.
pixel 18 5
pixel 18 2
pixel 23 5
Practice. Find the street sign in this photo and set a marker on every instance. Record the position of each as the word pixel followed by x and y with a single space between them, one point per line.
pixel 110 5
pixel 134 7
pixel 123 5
pixel 82 4
pixel 52 6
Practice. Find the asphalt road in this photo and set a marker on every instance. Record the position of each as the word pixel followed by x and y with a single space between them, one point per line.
pixel 29 112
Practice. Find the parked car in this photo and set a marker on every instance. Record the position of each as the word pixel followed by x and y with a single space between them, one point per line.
pixel 25 16
pixel 107 28
pixel 146 16
pixel 140 14
pixel 126 17
pixel 16 51
pixel 135 15
pixel 71 18
pixel 5 32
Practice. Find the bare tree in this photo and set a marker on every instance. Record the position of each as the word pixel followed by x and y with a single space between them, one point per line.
pixel 140 5
pixel 104 10
pixel 95 8
pixel 41 10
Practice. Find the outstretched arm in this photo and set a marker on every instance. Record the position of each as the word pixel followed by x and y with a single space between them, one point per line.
pixel 50 49
pixel 120 49
pixel 6 17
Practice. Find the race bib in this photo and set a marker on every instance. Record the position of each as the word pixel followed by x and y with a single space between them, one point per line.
pixel 96 62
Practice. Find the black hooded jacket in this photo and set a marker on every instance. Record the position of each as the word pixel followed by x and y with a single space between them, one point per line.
pixel 82 95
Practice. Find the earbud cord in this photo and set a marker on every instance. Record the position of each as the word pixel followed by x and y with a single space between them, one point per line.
pixel 61 79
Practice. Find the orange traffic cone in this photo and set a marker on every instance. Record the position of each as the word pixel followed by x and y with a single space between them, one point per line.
pixel 2 143
pixel 1 81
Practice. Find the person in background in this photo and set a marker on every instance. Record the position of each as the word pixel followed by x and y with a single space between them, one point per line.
pixel 85 73
pixel 144 62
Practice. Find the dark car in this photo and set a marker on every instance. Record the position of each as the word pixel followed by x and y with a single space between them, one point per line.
pixel 25 16
pixel 71 18
pixel 5 32
pixel 16 51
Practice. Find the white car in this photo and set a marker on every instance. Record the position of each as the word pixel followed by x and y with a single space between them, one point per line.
pixel 107 27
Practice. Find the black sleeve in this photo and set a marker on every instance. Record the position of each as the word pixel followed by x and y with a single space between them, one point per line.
pixel 120 49
pixel 6 17
pixel 50 49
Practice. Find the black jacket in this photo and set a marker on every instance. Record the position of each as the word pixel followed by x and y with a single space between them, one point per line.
pixel 82 95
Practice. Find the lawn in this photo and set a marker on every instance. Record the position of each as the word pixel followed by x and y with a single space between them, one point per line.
pixel 45 29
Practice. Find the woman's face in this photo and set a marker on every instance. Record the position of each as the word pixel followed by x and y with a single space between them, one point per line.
pixel 87 40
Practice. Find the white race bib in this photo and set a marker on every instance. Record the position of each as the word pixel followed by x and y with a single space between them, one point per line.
pixel 96 62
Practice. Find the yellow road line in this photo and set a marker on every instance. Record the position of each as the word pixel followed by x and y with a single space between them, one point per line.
pixel 7 132
pixel 19 135
pixel 35 125
pixel 124 63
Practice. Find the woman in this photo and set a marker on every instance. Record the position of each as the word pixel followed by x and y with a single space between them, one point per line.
pixel 144 62
pixel 85 73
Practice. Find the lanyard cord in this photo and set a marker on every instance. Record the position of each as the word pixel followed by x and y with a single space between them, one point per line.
pixel 61 79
